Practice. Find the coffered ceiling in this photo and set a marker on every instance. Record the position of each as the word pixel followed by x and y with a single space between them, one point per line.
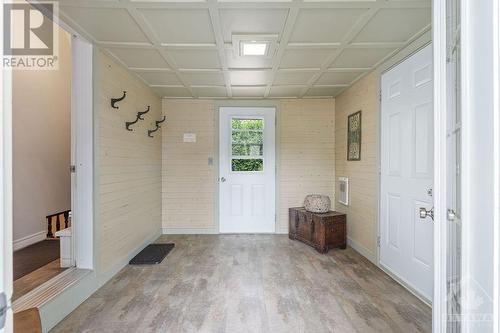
pixel 183 48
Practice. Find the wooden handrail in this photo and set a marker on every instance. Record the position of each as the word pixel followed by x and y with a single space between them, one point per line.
pixel 59 213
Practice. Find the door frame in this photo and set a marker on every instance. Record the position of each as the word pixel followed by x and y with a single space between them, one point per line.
pixel 474 28
pixel 83 89
pixel 82 155
pixel 216 159
pixel 496 91
pixel 440 164
pixel 477 37
pixel 6 246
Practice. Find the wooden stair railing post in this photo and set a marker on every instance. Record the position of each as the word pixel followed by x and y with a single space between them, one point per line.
pixel 58 222
pixel 50 222
pixel 49 227
pixel 66 215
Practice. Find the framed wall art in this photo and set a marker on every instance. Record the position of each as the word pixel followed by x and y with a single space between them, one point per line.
pixel 354 136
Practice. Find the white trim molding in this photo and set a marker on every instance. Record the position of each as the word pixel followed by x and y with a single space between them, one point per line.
pixel 496 154
pixel 189 231
pixel 405 284
pixel 82 152
pixel 362 250
pixel 6 283
pixel 439 47
pixel 29 240
pixel 479 165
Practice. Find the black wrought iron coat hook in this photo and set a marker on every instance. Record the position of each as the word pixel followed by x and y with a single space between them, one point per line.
pixel 158 122
pixel 139 116
pixel 116 100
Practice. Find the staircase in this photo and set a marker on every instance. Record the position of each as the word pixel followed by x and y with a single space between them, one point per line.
pixel 56 222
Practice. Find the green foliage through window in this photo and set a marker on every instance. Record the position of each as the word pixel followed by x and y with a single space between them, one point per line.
pixel 247 124
pixel 247 165
pixel 247 137
pixel 247 150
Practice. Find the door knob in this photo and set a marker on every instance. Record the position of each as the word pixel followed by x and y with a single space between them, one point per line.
pixel 426 213
pixel 222 179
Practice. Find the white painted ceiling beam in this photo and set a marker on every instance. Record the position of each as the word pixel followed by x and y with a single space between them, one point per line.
pixel 197 58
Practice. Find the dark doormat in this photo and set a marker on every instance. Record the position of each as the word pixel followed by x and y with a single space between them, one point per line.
pixel 152 254
pixel 35 256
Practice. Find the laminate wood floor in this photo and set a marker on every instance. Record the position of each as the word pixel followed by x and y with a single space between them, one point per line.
pixel 34 256
pixel 250 283
pixel 30 281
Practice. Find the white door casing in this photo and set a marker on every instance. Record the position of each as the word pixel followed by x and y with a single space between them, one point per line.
pixel 406 240
pixel 82 133
pixel 453 222
pixel 246 198
pixel 6 276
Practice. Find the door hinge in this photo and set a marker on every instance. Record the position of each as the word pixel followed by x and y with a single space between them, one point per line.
pixel 380 96
pixel 378 241
pixel 72 168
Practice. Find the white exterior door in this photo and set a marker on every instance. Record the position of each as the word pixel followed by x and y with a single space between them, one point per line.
pixel 406 240
pixel 247 170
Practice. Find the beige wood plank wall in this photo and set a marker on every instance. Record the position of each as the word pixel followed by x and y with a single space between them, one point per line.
pixel 188 181
pixel 129 165
pixel 363 178
pixel 306 154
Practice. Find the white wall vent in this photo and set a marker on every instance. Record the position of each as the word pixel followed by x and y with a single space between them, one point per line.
pixel 344 190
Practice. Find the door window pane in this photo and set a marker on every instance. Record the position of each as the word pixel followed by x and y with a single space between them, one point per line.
pixel 253 124
pixel 247 164
pixel 246 150
pixel 247 143
pixel 247 137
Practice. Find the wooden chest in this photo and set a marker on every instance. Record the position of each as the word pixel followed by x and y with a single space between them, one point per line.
pixel 321 231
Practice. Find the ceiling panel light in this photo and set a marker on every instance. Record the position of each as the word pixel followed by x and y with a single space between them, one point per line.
pixel 253 48
pixel 254 45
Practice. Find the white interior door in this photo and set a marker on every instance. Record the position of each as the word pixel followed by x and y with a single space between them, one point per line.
pixel 247 170
pixel 406 240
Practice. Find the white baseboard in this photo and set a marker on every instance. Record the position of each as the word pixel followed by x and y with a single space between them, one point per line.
pixel 362 250
pixel 28 240
pixel 204 231
pixel 189 231
pixel 406 284
pixel 106 275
